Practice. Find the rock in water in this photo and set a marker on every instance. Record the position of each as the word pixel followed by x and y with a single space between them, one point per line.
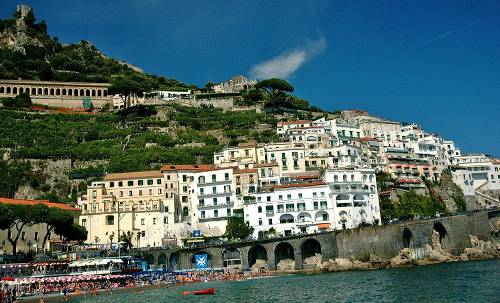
pixel 286 264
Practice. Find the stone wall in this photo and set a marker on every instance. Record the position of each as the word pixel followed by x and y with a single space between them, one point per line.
pixel 358 244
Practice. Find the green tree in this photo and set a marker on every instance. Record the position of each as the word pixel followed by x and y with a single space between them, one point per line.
pixel 56 218
pixel 72 232
pixel 276 89
pixel 237 229
pixel 126 88
pixel 126 239
pixel 252 96
pixel 45 72
pixel 18 217
pixel 209 86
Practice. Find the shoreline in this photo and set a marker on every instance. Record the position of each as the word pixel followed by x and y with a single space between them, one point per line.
pixel 57 297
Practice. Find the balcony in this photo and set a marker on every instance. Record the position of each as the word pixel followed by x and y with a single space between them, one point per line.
pixel 211 183
pixel 209 219
pixel 216 194
pixel 208 206
pixel 269 213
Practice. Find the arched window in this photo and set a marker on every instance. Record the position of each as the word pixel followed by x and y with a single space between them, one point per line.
pixel 8 90
pixel 14 91
pixel 352 178
pixel 40 91
pixel 105 93
pixel 64 92
pixel 93 93
pixel 335 178
pixel 259 209
pixel 2 90
pixel 87 93
pixel 33 91
pixel 371 178
pixel 82 92
pixel 45 91
pixel 344 178
pixel 99 92
pixel 51 91
pixel 21 90
pixel 365 178
pixel 58 92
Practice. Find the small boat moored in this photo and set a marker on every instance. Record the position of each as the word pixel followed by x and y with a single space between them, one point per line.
pixel 208 291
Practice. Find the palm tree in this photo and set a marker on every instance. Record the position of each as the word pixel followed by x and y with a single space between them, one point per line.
pixel 126 239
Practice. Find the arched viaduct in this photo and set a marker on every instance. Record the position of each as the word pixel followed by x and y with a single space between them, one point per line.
pixel 384 241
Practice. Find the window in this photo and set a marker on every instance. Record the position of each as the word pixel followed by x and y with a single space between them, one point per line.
pixel 290 207
pixel 110 220
pixel 215 201
pixel 184 189
pixel 120 184
pixel 214 190
pixel 158 181
pixel 143 233
pixel 301 206
pixel 289 197
pixel 165 220
pixel 322 194
pixel 130 183
pixel 226 176
pixel 216 213
pixel 129 193
pixel 315 195
pixel 281 208
pixel 84 223
pixel 315 205
pixel 228 212
pixel 154 221
pixel 214 178
pixel 270 221
pixel 143 221
pixel 201 179
pixel 140 182
pixel 202 214
pixel 111 184
pixel 323 204
pixel 159 191
pixel 300 195
pixel 280 197
pixel 260 221
pixel 36 236
pixel 228 200
pixel 94 194
pixel 268 198
pixel 150 182
pixel 140 192
pixel 184 178
pixel 259 209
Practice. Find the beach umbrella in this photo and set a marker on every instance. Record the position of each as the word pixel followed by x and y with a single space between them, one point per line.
pixel 7 278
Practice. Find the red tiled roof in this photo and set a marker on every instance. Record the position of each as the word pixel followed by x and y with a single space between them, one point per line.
pixel 300 185
pixel 247 144
pixel 204 167
pixel 244 171
pixel 257 165
pixel 133 175
pixel 35 202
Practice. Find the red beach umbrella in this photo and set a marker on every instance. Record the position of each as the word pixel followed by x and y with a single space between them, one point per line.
pixel 7 278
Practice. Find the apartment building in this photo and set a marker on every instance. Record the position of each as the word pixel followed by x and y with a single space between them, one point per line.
pixel 127 202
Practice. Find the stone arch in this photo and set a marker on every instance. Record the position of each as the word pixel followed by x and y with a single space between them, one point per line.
pixel 162 260
pixel 231 257
pixel 283 251
pixel 173 260
pixel 40 91
pixel 75 92
pixel 51 91
pixel 64 92
pixel 93 93
pixel 82 92
pixel 14 90
pixel 21 90
pixel 256 252
pixel 209 258
pixel 321 216
pixel 45 91
pixel 58 92
pixel 8 90
pixel 438 226
pixel 2 90
pixel 87 93
pixel 310 248
pixel 304 217
pixel 99 93
pixel 105 93
pixel 150 259
pixel 407 236
pixel 286 218
pixel 33 91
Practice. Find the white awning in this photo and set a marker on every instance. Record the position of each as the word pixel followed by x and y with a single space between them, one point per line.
pixel 117 260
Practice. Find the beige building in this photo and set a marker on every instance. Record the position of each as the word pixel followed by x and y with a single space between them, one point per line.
pixel 31 237
pixel 127 202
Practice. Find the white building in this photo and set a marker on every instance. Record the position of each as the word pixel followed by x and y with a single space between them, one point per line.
pixel 168 95
pixel 346 199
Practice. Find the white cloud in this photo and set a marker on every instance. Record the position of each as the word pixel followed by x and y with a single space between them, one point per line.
pixel 285 64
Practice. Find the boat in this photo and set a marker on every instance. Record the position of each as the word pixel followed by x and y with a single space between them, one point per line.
pixel 208 291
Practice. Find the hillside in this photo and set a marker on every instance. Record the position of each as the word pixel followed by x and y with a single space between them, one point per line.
pixel 111 142
pixel 28 52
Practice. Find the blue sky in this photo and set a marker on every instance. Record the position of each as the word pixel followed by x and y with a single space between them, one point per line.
pixel 436 63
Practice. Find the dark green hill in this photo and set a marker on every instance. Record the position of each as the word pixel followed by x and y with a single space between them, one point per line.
pixel 28 52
